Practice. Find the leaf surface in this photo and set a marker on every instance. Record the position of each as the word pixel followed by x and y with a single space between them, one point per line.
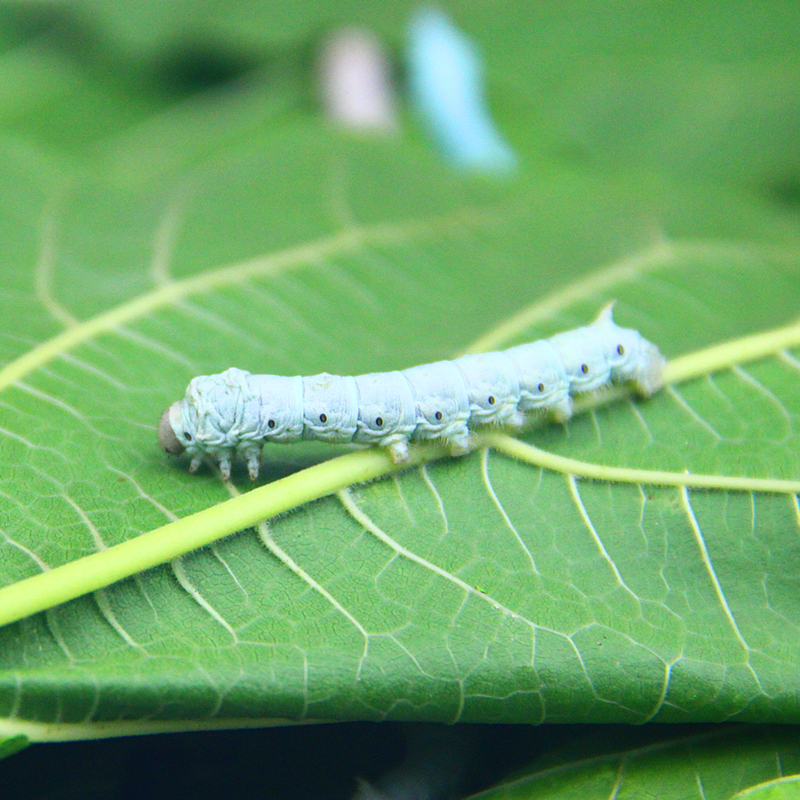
pixel 486 588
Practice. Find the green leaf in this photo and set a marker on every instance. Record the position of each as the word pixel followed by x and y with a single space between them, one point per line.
pixel 236 230
pixel 12 744
pixel 716 764
pixel 780 789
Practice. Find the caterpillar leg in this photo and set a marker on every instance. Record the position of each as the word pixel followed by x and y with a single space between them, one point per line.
pixel 398 449
pixel 195 463
pixel 224 464
pixel 515 419
pixel 562 410
pixel 251 452
pixel 458 443
pixel 253 465
pixel 459 448
pixel 225 467
pixel 223 457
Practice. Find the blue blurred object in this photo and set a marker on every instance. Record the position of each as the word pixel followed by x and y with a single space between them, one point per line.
pixel 445 78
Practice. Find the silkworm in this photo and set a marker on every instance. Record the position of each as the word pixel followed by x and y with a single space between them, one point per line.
pixel 236 412
pixel 445 77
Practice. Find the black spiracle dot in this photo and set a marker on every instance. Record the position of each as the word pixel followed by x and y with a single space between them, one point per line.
pixel 438 415
pixel 271 423
pixel 323 417
pixel 379 421
pixel 492 401
pixel 584 368
pixel 188 436
pixel 540 387
pixel 621 349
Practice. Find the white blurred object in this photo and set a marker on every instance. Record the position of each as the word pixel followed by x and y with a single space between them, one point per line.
pixel 355 81
pixel 366 791
pixel 434 767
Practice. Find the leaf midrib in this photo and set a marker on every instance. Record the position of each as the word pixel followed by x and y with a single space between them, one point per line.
pixel 345 241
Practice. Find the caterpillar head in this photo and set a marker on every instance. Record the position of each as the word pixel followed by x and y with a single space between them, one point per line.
pixel 171 435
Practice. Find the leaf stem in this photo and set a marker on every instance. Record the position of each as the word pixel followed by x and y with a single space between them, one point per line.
pixel 87 574
pixel 729 354
pixel 586 469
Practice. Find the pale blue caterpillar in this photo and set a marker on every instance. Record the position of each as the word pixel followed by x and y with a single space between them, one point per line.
pixel 445 77
pixel 236 412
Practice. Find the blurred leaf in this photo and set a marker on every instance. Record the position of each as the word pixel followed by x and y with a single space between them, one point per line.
pixel 12 744
pixel 714 764
pixel 779 789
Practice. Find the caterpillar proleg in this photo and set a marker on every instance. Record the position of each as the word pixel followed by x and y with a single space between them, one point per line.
pixel 236 412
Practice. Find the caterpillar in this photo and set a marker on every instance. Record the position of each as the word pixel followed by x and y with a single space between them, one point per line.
pixel 446 86
pixel 236 412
